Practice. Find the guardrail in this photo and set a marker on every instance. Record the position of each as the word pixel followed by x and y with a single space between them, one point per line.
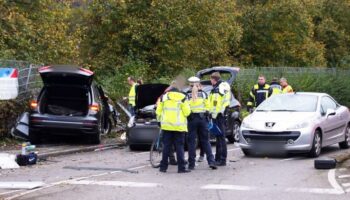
pixel 29 82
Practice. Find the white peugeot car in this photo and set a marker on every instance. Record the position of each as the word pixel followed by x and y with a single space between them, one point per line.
pixel 296 122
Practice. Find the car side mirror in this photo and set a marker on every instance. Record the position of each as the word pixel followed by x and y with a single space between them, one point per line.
pixel 330 112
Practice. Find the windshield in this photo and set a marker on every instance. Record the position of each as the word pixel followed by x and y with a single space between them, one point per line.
pixel 289 103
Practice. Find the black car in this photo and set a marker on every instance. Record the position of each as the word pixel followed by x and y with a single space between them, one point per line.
pixel 232 114
pixel 69 103
pixel 143 127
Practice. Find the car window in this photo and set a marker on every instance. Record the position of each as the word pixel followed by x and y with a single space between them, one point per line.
pixel 289 102
pixel 327 103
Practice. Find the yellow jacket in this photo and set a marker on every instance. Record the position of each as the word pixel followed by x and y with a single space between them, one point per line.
pixel 219 99
pixel 172 112
pixel 201 104
pixel 132 95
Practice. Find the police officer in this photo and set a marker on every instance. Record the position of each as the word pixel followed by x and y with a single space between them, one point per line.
pixel 259 93
pixel 172 113
pixel 198 124
pixel 275 86
pixel 219 100
pixel 286 88
pixel 132 95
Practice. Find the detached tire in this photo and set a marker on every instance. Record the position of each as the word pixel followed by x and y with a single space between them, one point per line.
pixel 346 143
pixel 316 145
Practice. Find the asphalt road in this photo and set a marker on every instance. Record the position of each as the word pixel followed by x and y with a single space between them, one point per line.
pixel 121 174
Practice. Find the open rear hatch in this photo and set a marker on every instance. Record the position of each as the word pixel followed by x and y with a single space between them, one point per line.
pixel 146 97
pixel 66 90
pixel 228 74
pixel 66 75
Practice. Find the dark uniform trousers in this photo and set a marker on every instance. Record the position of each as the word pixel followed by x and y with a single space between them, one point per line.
pixel 198 125
pixel 221 147
pixel 171 138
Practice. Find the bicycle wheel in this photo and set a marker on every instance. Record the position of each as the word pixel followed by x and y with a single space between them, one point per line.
pixel 156 152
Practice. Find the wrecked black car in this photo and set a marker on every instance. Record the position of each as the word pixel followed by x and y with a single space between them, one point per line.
pixel 70 103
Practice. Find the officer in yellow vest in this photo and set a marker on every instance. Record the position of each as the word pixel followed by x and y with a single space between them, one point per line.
pixel 275 86
pixel 172 113
pixel 259 93
pixel 132 95
pixel 286 88
pixel 198 124
pixel 219 101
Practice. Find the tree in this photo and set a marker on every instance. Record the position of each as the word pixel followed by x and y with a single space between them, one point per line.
pixel 278 33
pixel 166 35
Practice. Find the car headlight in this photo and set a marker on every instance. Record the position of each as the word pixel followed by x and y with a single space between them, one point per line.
pixel 246 125
pixel 299 126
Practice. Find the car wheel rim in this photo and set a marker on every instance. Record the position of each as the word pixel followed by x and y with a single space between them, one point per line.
pixel 236 132
pixel 317 144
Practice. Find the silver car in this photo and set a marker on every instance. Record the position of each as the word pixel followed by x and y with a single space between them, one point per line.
pixel 296 122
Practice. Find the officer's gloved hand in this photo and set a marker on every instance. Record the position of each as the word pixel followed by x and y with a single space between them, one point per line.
pixel 158 123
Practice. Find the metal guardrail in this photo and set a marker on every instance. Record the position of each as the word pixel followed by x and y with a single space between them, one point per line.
pixel 29 82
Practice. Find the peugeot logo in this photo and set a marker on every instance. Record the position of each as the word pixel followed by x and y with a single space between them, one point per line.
pixel 269 124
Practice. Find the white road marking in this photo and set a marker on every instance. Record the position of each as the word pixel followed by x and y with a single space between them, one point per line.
pixel 346 184
pixel 315 190
pixel 227 187
pixel 115 183
pixel 67 181
pixel 333 181
pixel 348 190
pixel 342 169
pixel 288 159
pixel 344 176
pixel 20 185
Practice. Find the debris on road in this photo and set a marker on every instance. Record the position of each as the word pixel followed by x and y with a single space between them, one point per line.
pixel 325 163
pixel 8 161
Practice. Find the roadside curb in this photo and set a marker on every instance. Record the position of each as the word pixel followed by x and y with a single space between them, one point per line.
pixel 101 147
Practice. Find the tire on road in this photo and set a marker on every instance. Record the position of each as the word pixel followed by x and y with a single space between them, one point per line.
pixel 316 145
pixel 346 143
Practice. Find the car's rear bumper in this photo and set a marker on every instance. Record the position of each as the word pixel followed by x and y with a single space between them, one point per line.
pixel 142 134
pixel 63 125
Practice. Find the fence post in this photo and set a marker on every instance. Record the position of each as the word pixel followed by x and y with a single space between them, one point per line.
pixel 28 76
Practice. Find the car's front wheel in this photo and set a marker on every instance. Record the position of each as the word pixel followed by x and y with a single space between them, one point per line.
pixel 346 143
pixel 316 145
pixel 34 137
pixel 247 152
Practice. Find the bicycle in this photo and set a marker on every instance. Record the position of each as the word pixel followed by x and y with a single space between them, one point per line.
pixel 156 150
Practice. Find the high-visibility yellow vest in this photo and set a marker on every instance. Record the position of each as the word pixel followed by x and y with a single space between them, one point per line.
pixel 200 104
pixel 287 89
pixel 172 112
pixel 219 99
pixel 276 89
pixel 259 94
pixel 132 94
